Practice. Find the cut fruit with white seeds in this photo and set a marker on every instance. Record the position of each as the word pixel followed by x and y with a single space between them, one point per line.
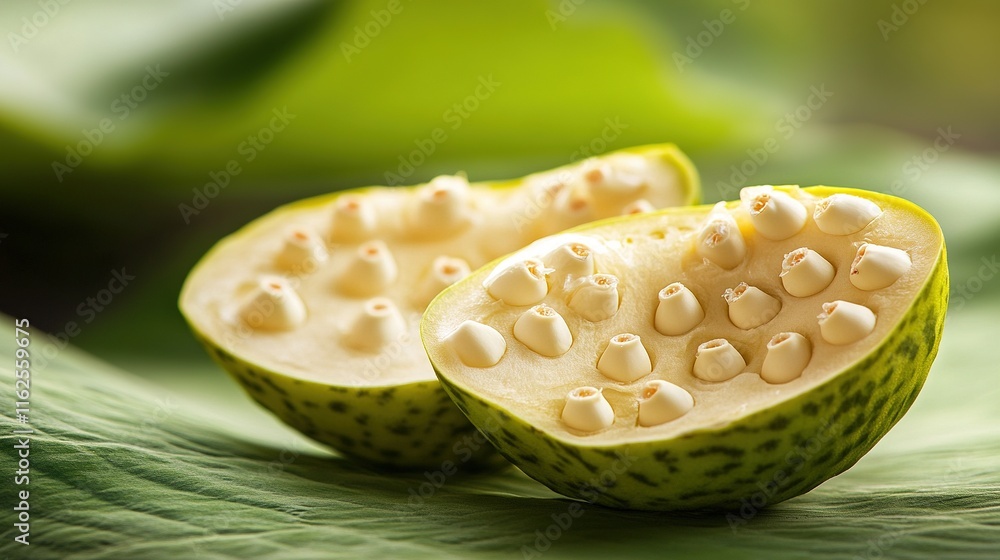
pixel 335 351
pixel 707 395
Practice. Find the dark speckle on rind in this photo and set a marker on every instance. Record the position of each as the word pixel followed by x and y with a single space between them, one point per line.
pixel 417 443
pixel 267 381
pixel 363 393
pixel 251 372
pixel 441 411
pixel 734 452
pixel 458 430
pixel 930 332
pixel 347 441
pixel 763 467
pixel 414 410
pixel 575 453
pixel 824 458
pixel 362 419
pixel 640 478
pixel 309 404
pixel 881 402
pixel 338 406
pixel 769 445
pixel 779 423
pixel 401 429
pixel 724 469
pixel 854 425
pixel 530 458
pixel 745 480
pixel 337 389
pixel 503 415
pixel 390 453
pixel 223 356
pixel 253 386
pixel 810 409
pixel 385 396
pixel 288 404
pixel 695 494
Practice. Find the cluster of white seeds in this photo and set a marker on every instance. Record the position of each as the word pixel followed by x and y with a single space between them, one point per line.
pixel 804 272
pixel 440 210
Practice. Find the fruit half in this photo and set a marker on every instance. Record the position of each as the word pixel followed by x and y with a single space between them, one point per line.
pixel 314 308
pixel 700 357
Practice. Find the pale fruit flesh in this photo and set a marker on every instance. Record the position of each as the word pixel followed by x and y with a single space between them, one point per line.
pixel 775 350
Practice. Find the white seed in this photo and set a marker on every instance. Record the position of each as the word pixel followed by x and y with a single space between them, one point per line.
pixel 370 271
pixel 625 359
pixel 615 180
pixel 662 402
pixel 587 410
pixel 844 214
pixel 354 219
pixel 876 266
pixel 477 345
pixel 678 310
pixel 572 206
pixel 805 272
pixel 544 331
pixel 775 214
pixel 640 206
pixel 572 259
pixel 843 322
pixel 788 353
pixel 717 360
pixel 444 272
pixel 720 240
pixel 522 283
pixel 441 205
pixel 596 297
pixel 273 305
pixel 750 307
pixel 378 324
pixel 303 251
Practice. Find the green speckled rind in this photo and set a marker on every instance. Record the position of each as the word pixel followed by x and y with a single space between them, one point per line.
pixel 413 425
pixel 402 426
pixel 756 461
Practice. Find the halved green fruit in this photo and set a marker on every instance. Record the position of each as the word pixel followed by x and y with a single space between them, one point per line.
pixel 675 369
pixel 314 308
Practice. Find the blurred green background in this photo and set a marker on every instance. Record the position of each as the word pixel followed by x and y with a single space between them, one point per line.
pixel 135 135
pixel 113 116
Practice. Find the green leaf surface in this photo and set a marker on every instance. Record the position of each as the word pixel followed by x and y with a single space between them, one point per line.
pixel 124 468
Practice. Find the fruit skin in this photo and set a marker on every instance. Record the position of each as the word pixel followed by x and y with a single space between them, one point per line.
pixel 413 424
pixel 404 426
pixel 762 459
